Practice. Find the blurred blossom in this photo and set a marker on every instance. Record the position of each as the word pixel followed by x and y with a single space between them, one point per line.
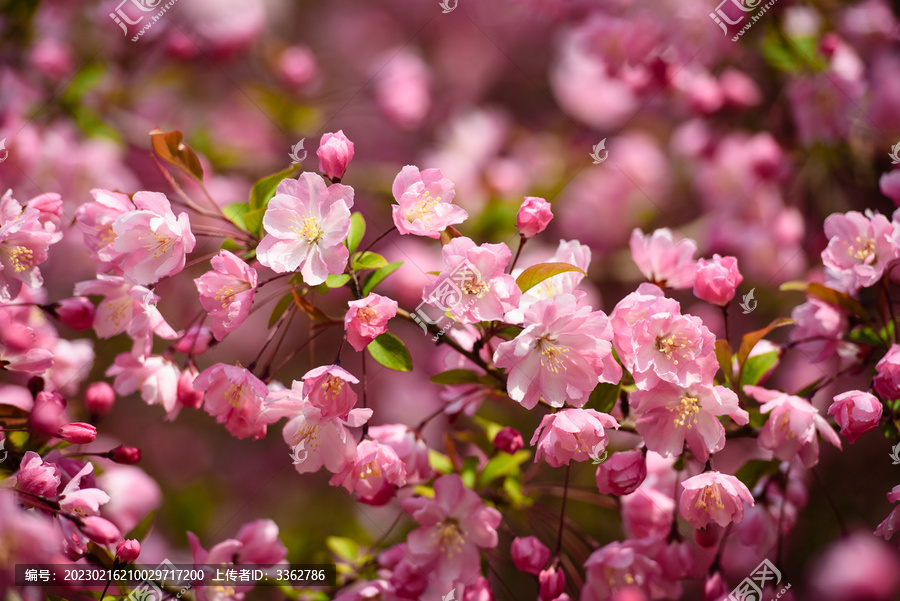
pixel 622 473
pixel 99 398
pixel 509 440
pixel 402 87
pixel 529 554
pixel 296 66
pixel 856 413
pixel 857 568
pixel 662 260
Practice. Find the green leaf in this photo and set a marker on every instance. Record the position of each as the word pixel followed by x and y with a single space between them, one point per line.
pixel 503 464
pixel 86 80
pixel 757 366
pixel 231 245
pixel 253 220
pixel 336 280
pixel 280 308
pixel 377 276
pixel 534 275
pixel 723 354
pixel 755 469
pixel 264 189
pixel 235 213
pixel 603 398
pixel 758 419
pixel 469 471
pixel 490 428
pixel 834 297
pixel 171 148
pixel 455 376
pixel 439 462
pixel 368 260
pixel 512 485
pixel 345 548
pixel 508 332
pixel 357 231
pixel 142 529
pixel 390 351
pixel 749 340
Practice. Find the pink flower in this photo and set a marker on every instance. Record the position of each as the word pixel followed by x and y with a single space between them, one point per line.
pixel 856 413
pixel 424 202
pixel 509 440
pixel 791 430
pixel 663 261
pixel 533 216
pixel 571 252
pixel 306 223
pixel 227 292
pixel 647 513
pixel 50 207
pixel 127 550
pixel 669 415
pixel 622 473
pixel 713 496
pixel 560 356
pixel 335 153
pixel 374 475
pixel 95 220
pixel 34 360
pixel 24 245
pixel 187 395
pixel 859 247
pixel 367 319
pixel 552 582
pixel 125 455
pixel 529 554
pixel 716 281
pixel 854 568
pixel 260 544
pixel 100 530
pixel 328 389
pixel 37 477
pixel 318 441
pixel 155 377
pixel 77 433
pixel 473 284
pixel 821 326
pixel 621 571
pixel 636 307
pixel 195 341
pixel 234 396
pixel 887 375
pixel 454 525
pixel 76 313
pixel 154 241
pixel 572 434
pixel 891 523
pixel 410 448
pixel 48 414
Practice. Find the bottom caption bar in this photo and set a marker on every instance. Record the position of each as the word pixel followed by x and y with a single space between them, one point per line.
pixel 169 575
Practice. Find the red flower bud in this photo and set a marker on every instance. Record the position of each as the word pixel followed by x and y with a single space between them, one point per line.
pixel 99 398
pixel 77 313
pixel 509 440
pixel 125 455
pixel 78 433
pixel 127 550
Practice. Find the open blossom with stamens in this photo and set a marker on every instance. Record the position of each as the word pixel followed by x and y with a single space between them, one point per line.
pixel 859 247
pixel 671 347
pixel 227 292
pixel 473 283
pixel 713 496
pixel 662 260
pixel 374 475
pixel 561 355
pixel 621 570
pixel 424 202
pixel 95 220
pixel 154 241
pixel 635 308
pixel 328 388
pixel 367 319
pixel 792 428
pixel 572 434
pixel 306 223
pixel 24 245
pixel 235 397
pixel 155 377
pixel 454 525
pixel 323 442
pixel 669 415
pixel 410 448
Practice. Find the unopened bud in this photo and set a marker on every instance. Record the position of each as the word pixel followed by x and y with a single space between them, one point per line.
pixel 99 398
pixel 78 433
pixel 127 550
pixel 100 530
pixel 76 313
pixel 125 455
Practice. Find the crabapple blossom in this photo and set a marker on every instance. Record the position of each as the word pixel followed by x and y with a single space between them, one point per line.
pixel 374 474
pixel 335 152
pixel 647 513
pixel 571 252
pixel 717 280
pixel 306 223
pixel 227 292
pixel 509 440
pixel 48 413
pixel 856 413
pixel 663 261
pixel 891 523
pixel 78 433
pixel 560 356
pixel 619 567
pixel 622 473
pixel 100 530
pixel 792 428
pixel 322 442
pixel 186 394
pixel 453 526
pixel 552 583
pixel 155 377
pixel 529 554
pixel 820 326
pixel 125 455
pixel 154 241
pixel 473 284
pixel 859 247
pixel 572 434
pixel 713 496
pixel 24 245
pixel 127 550
pixel 424 202
pixel 533 216
pixel 195 341
pixel 409 446
pixel 33 360
pixel 887 374
pixel 328 389
pixel 235 397
pixel 95 220
pixel 37 476
pixel 636 307
pixel 76 313
pixel 367 319
pixel 50 207
pixel 673 348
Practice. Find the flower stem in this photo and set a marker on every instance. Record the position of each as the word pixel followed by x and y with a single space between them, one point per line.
pixel 522 240
pixel 562 511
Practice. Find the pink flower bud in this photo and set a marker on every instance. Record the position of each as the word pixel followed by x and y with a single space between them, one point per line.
pixel 717 280
pixel 553 583
pixel 529 554
pixel 76 313
pixel 125 455
pixel 196 341
pixel 78 433
pixel 335 153
pixel 533 216
pixel 296 66
pixel 128 550
pixel 48 414
pixel 622 473
pixel 714 587
pixel 100 530
pixel 187 395
pixel 887 375
pixel 509 440
pixel 99 398
pixel 856 413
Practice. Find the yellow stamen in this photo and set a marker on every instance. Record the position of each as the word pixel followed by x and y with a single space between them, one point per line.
pixel 686 411
pixel 20 258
